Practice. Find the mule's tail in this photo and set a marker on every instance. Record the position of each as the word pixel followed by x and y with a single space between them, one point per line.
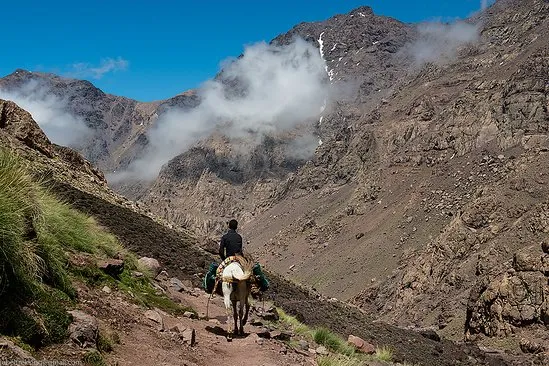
pixel 247 269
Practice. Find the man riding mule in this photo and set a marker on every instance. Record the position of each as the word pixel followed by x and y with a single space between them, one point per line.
pixel 238 275
pixel 236 279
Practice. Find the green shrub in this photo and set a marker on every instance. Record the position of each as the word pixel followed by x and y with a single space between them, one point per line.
pixel 93 358
pixel 332 341
pixel 43 322
pixel 105 343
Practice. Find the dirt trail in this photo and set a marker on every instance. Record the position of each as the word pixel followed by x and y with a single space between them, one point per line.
pixel 143 344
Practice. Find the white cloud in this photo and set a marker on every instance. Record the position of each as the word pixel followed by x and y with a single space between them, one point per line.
pixel 106 65
pixel 440 42
pixel 49 111
pixel 274 89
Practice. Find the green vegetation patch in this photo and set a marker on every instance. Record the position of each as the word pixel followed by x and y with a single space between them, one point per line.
pixel 333 342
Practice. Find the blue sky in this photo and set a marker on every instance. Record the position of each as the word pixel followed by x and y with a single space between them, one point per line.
pixel 153 50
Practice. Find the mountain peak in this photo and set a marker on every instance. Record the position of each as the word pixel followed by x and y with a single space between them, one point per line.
pixel 363 11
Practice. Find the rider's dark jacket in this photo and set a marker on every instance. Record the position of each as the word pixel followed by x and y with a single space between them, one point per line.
pixel 231 244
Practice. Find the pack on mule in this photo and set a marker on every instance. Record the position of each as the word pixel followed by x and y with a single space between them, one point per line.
pixel 216 270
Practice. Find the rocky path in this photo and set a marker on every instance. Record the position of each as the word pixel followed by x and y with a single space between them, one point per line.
pixel 149 342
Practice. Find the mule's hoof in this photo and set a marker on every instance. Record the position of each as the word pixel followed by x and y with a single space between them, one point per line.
pixel 229 337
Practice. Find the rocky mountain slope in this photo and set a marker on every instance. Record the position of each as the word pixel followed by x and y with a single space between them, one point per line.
pixel 447 189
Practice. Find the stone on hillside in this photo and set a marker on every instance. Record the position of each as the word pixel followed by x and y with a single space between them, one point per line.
pixel 321 350
pixel 303 345
pixel 12 352
pixel 355 341
pixel 545 246
pixel 84 329
pixel 112 267
pixel 525 262
pixel 361 345
pixel 528 346
pixel 189 314
pixel 256 322
pixel 176 284
pixel 151 264
pixel 281 336
pixel 137 274
pixel 430 334
pixel 156 317
pixel 269 315
pixel 162 276
pixel 178 328
pixel 106 289
pixel 189 336
pixel 264 333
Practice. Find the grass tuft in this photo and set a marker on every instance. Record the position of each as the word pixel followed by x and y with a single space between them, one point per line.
pixel 93 358
pixel 298 327
pixel 384 354
pixel 332 341
pixel 339 360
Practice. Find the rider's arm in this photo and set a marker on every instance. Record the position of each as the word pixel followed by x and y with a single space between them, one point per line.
pixel 222 248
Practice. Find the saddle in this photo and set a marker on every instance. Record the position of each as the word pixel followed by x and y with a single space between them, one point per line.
pixel 215 275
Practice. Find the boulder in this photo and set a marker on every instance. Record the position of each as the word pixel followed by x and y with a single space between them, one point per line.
pixel 178 328
pixel 162 276
pixel 155 317
pixel 151 264
pixel 321 350
pixel 176 284
pixel 12 352
pixel 361 345
pixel 545 246
pixel 269 314
pixel 189 336
pixel 525 262
pixel 528 346
pixel 112 267
pixel 84 329
pixel 509 300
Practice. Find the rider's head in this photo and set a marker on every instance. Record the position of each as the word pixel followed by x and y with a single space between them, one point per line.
pixel 233 224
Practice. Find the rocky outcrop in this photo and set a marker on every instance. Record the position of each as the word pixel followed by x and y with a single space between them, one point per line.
pixel 517 298
pixel 84 329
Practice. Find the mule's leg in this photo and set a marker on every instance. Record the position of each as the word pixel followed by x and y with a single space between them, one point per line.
pixel 227 300
pixel 241 316
pixel 245 319
pixel 248 303
pixel 235 318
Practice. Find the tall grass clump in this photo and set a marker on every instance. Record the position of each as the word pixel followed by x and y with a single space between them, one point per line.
pixel 36 233
pixel 20 265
